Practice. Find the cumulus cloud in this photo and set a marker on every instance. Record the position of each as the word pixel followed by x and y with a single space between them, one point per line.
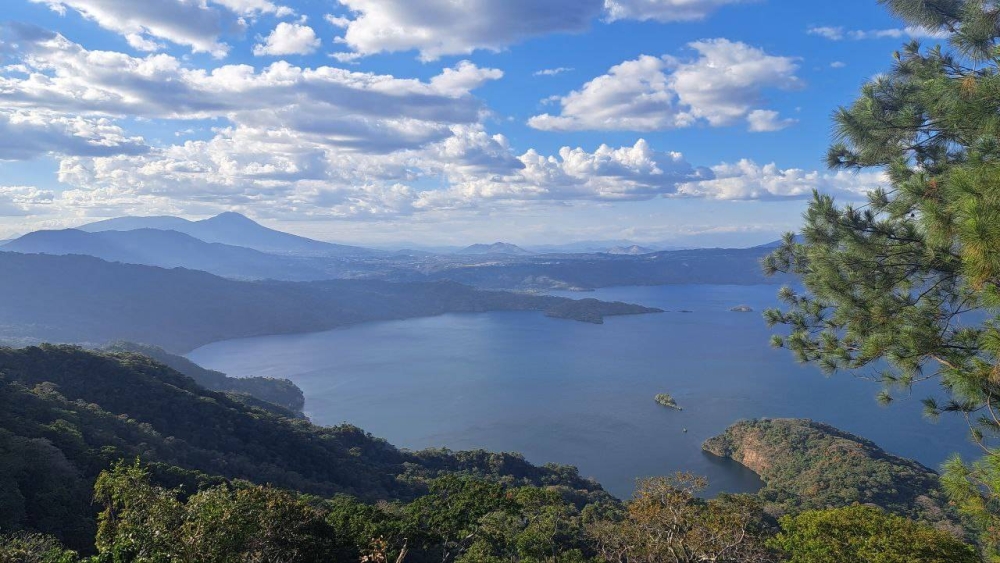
pixel 436 28
pixel 762 120
pixel 663 10
pixel 26 134
pixel 242 167
pixel 195 24
pixel 464 78
pixel 255 7
pixel 722 86
pixel 470 170
pixel 20 201
pixel 748 180
pixel 343 108
pixel 288 39
pixel 444 27
pixel 839 33
pixel 634 95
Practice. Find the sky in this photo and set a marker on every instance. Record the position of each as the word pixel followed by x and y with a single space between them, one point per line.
pixel 435 122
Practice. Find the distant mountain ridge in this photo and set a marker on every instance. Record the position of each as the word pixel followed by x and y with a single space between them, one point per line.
pixel 170 249
pixel 634 250
pixel 80 299
pixel 495 248
pixel 233 229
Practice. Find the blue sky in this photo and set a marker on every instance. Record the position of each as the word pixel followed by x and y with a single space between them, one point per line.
pixel 691 122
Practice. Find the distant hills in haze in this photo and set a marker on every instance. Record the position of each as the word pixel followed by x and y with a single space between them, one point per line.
pixel 232 229
pixel 495 248
pixel 633 250
pixel 170 249
pixel 233 246
pixel 81 299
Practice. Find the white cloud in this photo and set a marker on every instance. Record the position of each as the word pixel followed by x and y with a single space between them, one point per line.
pixel 471 170
pixel 747 180
pixel 663 10
pixel 633 96
pixel 288 39
pixel 839 33
pixel 20 201
pixel 195 24
pixel 198 24
pixel 838 64
pixel 827 32
pixel 352 110
pixel 142 43
pixel 762 120
pixel 553 71
pixel 255 7
pixel 722 86
pixel 464 78
pixel 337 21
pixel 436 28
pixel 26 134
pixel 244 167
pixel 444 27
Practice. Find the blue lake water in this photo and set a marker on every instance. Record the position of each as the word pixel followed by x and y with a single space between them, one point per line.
pixel 582 394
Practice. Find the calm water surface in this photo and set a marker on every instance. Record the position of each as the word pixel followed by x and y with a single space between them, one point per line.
pixel 581 394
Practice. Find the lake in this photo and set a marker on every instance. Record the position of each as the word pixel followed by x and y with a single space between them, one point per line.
pixel 582 394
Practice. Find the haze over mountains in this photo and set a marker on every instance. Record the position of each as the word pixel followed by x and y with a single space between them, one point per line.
pixel 232 229
pixel 171 249
pixel 80 299
pixel 234 246
pixel 495 248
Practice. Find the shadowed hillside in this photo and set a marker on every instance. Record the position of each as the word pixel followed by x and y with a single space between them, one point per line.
pixel 79 299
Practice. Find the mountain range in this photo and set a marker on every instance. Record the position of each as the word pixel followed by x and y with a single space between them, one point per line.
pixel 173 249
pixel 633 250
pixel 233 246
pixel 81 299
pixel 495 248
pixel 232 229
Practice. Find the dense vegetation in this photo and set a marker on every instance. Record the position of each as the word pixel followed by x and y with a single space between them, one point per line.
pixel 910 281
pixel 593 310
pixel 908 284
pixel 476 521
pixel 68 417
pixel 667 400
pixel 865 533
pixel 808 465
pixel 66 414
pixel 78 299
pixel 281 392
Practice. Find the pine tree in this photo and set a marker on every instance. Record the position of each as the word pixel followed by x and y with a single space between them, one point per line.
pixel 911 279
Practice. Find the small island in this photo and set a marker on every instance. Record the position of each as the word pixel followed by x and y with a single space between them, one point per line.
pixel 667 401
pixel 742 309
pixel 594 311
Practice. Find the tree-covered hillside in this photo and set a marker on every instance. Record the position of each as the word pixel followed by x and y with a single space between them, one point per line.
pixel 807 465
pixel 217 480
pixel 906 286
pixel 66 414
pixel 280 392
